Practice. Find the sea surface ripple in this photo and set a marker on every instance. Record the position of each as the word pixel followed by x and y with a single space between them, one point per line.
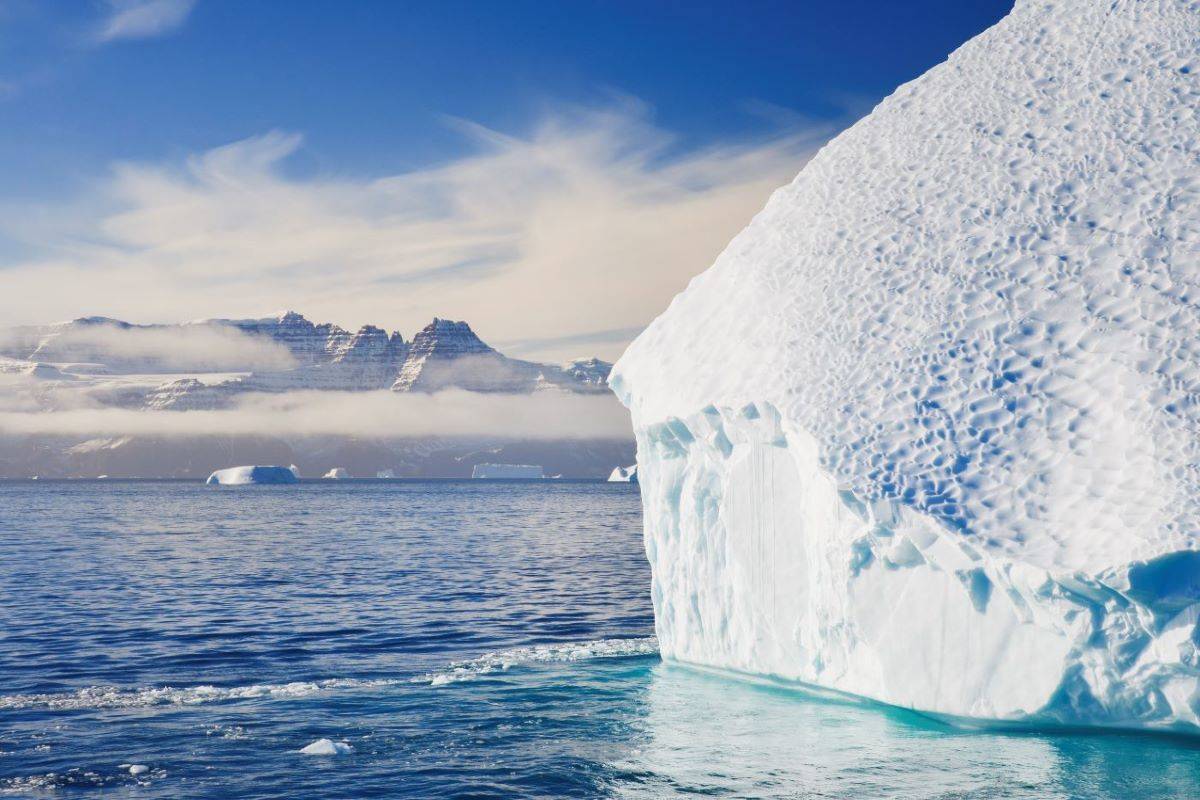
pixel 449 639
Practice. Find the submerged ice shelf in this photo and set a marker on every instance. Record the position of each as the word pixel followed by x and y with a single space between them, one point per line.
pixel 929 430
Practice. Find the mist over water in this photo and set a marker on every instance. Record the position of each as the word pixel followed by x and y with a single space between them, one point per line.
pixel 463 638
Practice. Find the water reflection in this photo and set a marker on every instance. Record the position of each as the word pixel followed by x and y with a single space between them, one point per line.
pixel 712 735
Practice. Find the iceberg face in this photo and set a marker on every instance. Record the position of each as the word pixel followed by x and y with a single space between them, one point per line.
pixel 238 476
pixel 928 430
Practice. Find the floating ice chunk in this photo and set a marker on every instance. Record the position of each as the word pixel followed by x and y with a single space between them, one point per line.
pixel 624 475
pixel 327 747
pixel 138 769
pixel 928 431
pixel 236 476
pixel 507 471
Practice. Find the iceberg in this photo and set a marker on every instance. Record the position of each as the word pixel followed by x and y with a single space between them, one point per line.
pixel 928 431
pixel 507 471
pixel 236 476
pixel 624 475
pixel 337 474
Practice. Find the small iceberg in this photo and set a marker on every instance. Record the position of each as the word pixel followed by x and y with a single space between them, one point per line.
pixel 337 474
pixel 508 471
pixel 240 476
pixel 327 747
pixel 624 475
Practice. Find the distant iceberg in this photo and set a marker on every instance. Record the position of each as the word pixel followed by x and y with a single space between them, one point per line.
pixel 237 476
pixel 337 473
pixel 928 431
pixel 507 471
pixel 624 475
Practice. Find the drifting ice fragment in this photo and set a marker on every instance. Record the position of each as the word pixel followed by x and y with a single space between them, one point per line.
pixel 327 747
pixel 928 431
pixel 624 475
pixel 507 471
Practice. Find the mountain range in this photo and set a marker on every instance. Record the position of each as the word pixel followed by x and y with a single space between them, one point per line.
pixel 298 355
pixel 211 364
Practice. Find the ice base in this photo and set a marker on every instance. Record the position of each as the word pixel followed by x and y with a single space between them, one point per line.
pixel 762 565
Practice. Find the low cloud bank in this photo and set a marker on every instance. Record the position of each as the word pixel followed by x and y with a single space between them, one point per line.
pixel 383 414
pixel 188 348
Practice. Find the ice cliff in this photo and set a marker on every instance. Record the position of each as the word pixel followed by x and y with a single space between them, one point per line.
pixel 928 431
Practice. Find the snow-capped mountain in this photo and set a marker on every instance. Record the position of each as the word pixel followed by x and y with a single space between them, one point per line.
pixel 589 371
pixel 446 354
pixel 309 343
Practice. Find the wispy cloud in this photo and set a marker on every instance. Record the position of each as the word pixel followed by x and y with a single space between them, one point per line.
pixel 143 19
pixel 589 222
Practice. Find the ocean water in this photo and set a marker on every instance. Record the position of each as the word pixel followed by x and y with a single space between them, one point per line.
pixel 463 639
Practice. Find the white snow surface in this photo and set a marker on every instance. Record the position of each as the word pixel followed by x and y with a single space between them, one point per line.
pixel 928 431
pixel 237 476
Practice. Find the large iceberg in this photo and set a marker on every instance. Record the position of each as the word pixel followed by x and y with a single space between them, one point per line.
pixel 928 431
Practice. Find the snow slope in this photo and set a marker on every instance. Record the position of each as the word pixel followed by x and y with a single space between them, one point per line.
pixel 928 431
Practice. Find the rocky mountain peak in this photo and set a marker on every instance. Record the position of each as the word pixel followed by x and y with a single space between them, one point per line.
pixel 448 339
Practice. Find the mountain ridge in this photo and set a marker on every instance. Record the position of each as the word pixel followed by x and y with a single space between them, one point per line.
pixel 286 352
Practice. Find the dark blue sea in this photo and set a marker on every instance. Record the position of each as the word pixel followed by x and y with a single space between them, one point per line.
pixel 448 639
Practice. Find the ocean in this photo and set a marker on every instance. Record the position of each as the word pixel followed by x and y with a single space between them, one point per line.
pixel 444 639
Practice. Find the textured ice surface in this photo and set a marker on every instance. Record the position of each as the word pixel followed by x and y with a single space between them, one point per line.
pixel 929 429
pixel 233 476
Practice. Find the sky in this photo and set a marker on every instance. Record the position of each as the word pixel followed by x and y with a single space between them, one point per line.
pixel 551 172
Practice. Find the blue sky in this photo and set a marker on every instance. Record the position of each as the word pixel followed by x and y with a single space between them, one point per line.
pixel 171 145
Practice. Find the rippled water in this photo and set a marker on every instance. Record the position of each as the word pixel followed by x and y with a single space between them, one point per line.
pixel 463 639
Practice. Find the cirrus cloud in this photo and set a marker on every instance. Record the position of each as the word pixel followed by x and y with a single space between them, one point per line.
pixel 143 19
pixel 573 235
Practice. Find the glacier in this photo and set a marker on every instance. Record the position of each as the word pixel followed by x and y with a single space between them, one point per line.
pixel 928 430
